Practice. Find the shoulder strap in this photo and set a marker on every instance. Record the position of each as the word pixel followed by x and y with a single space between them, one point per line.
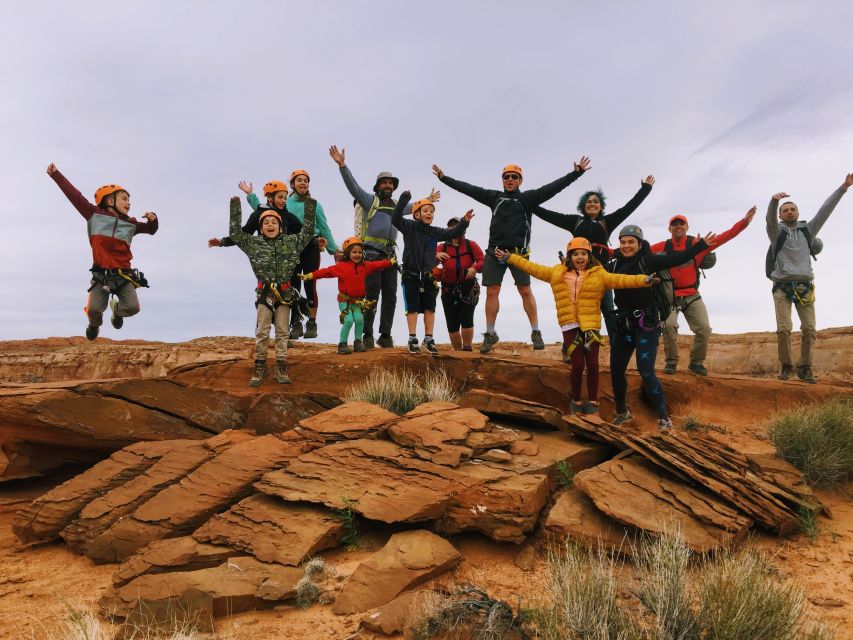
pixel 780 241
pixel 367 215
pixel 667 246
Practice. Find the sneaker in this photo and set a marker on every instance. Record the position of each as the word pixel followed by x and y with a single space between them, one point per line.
pixel 368 342
pixel 489 340
pixel 281 372
pixel 429 343
pixel 91 332
pixel 358 346
pixel 413 346
pixel 467 347
pixel 622 418
pixel 805 374
pixel 698 368
pixel 258 374
pixel 296 331
pixel 670 368
pixel 536 339
pixel 786 372
pixel 576 408
pixel 117 321
pixel 385 341
pixel 665 425
pixel 311 329
pixel 590 408
pixel 343 349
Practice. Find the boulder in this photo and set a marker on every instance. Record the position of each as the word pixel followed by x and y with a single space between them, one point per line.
pixel 282 411
pixel 409 558
pixel 348 421
pixel 575 518
pixel 174 554
pixel 509 408
pixel 272 530
pixel 393 617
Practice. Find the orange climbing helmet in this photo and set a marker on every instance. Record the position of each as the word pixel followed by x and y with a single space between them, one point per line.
pixel 578 243
pixel 266 213
pixel 299 172
pixel 274 186
pixel 107 190
pixel 512 168
pixel 350 242
pixel 416 206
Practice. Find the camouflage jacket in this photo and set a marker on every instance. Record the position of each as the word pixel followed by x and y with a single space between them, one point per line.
pixel 273 260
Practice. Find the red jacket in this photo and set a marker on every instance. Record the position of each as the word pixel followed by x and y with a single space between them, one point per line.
pixel 110 234
pixel 686 276
pixel 453 268
pixel 351 275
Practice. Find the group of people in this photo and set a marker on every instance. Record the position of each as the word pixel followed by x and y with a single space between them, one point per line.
pixel 285 237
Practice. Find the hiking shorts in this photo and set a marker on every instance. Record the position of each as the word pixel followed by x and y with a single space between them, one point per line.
pixel 415 300
pixel 494 270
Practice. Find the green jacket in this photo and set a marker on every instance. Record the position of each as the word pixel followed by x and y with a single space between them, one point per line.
pixel 273 260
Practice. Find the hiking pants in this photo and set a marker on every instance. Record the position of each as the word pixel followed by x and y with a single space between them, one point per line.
pixel 645 343
pixel 608 310
pixel 353 316
pixel 581 357
pixel 693 308
pixel 262 331
pixel 385 283
pixel 99 298
pixel 784 327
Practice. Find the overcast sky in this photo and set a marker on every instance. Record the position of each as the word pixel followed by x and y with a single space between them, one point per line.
pixel 725 103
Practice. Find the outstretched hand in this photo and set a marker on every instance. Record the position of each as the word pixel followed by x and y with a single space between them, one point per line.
pixel 467 217
pixel 51 169
pixel 650 180
pixel 848 181
pixel 750 215
pixel 434 196
pixel 245 187
pixel 150 216
pixel 214 242
pixel 322 243
pixel 437 171
pixel 778 196
pixel 405 197
pixel 582 164
pixel 710 239
pixel 339 156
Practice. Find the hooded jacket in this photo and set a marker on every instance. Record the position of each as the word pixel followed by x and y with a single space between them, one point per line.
pixel 421 239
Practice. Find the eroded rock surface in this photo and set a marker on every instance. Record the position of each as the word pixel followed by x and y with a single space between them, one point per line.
pixel 574 517
pixel 346 422
pixel 505 407
pixel 173 554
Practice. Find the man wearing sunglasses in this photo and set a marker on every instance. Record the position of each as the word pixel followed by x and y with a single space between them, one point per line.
pixel 512 211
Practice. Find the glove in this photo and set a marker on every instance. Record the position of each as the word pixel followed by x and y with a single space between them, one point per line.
pixel 306 276
pixel 393 261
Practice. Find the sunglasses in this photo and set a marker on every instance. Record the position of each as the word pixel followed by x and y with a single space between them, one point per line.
pixel 511 176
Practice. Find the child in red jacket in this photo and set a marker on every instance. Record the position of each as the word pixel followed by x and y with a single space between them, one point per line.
pixel 111 231
pixel 351 273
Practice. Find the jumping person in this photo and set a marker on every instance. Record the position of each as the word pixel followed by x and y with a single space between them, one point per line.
pixel 578 285
pixel 686 297
pixel 373 226
pixel 639 318
pixel 111 230
pixel 460 260
pixel 593 224
pixel 274 257
pixel 352 272
pixel 419 259
pixel 792 246
pixel 512 214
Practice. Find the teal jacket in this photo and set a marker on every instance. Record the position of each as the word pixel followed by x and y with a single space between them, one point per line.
pixel 273 259
pixel 296 206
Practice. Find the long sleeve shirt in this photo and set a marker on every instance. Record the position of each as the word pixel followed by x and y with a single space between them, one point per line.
pixel 420 239
pixel 296 206
pixel 461 257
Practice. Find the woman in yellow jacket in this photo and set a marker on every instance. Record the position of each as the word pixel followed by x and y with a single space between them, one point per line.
pixel 578 286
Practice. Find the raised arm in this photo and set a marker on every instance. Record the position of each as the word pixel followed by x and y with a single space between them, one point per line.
pixel 616 218
pixel 533 197
pixel 400 208
pixel 658 261
pixel 307 232
pixel 364 198
pixel 625 281
pixel 773 215
pixel 729 234
pixel 538 271
pixel 253 223
pixel 814 225
pixel 487 197
pixel 150 226
pixel 235 232
pixel 567 221
pixel 440 233
pixel 321 226
pixel 83 206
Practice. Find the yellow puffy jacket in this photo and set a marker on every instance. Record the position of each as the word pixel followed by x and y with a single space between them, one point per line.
pixel 587 311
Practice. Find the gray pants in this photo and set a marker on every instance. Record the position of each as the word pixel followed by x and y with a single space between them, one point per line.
pixel 784 326
pixel 696 315
pixel 385 283
pixel 262 331
pixel 99 298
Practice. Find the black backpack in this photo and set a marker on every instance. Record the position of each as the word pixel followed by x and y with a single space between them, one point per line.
pixel 706 263
pixel 773 250
pixel 663 292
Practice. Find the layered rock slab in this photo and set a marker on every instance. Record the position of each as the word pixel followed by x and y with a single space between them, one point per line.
pixel 348 421
pixel 280 412
pixel 272 530
pixel 574 517
pixel 506 407
pixel 409 558
pixel 172 554
pixel 439 431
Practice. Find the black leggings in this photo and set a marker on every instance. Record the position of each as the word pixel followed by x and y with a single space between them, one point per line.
pixel 622 346
pixel 457 314
pixel 309 260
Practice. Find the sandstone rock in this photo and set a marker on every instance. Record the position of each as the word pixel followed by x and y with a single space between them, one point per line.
pixel 48 514
pixel 438 431
pixel 496 455
pixel 574 517
pixel 169 618
pixel 498 405
pixel 409 558
pixel 25 459
pixel 232 587
pixel 182 507
pixel 173 554
pixel 393 617
pixel 632 491
pixel 272 530
pixel 346 422
pixel 282 411
pixel 525 558
pixel 496 437
pixel 524 448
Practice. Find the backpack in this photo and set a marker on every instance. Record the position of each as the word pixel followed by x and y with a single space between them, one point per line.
pixel 707 262
pixel 663 291
pixel 599 221
pixel 773 250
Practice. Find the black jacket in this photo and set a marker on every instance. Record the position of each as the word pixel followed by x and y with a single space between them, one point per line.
pixel 420 239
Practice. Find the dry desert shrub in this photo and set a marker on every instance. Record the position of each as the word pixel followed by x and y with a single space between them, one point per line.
pixel 402 391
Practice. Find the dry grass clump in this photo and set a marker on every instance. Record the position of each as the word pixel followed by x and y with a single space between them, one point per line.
pixel 818 440
pixel 402 391
pixel 463 613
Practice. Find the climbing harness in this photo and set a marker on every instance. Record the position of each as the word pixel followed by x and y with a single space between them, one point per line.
pixel 797 292
pixel 585 339
pixel 365 304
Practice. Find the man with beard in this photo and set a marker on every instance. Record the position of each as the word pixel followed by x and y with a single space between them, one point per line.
pixel 373 226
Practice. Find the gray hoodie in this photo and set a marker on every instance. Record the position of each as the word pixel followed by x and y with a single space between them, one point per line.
pixel 793 262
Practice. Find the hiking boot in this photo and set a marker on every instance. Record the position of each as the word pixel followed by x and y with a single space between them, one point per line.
pixel 805 374
pixel 385 341
pixel 489 340
pixel 413 346
pixel 117 321
pixel 536 339
pixel 258 374
pixel 296 331
pixel 670 368
pixel 590 408
pixel 311 329
pixel 622 418
pixel 281 372
pixel 429 343
pixel 698 368
pixel 343 349
pixel 91 332
pixel 665 425
pixel 786 372
pixel 368 342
